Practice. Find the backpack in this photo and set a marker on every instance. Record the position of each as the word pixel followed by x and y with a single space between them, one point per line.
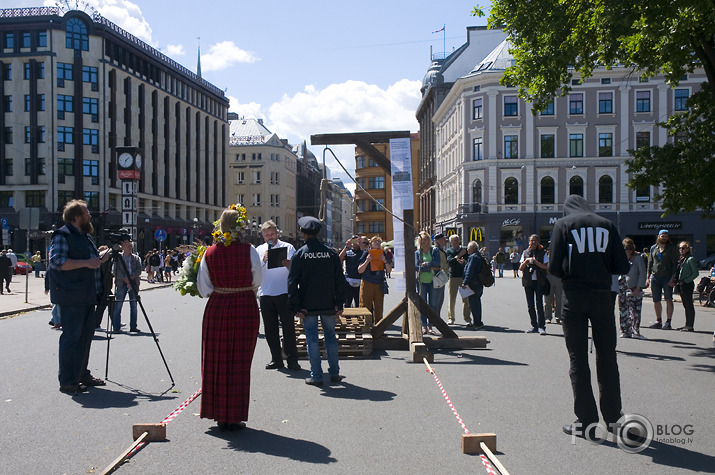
pixel 486 278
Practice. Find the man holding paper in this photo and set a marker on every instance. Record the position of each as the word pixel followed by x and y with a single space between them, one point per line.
pixel 273 296
pixel 472 288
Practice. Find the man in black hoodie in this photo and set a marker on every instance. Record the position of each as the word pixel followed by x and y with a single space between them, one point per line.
pixel 586 252
pixel 317 289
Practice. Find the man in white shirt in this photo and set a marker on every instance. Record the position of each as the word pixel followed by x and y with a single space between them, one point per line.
pixel 273 296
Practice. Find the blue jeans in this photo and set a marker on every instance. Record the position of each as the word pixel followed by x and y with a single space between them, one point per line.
pixel 310 324
pixel 75 341
pixel 475 305
pixel 427 292
pixel 119 299
pixel 56 317
pixel 438 298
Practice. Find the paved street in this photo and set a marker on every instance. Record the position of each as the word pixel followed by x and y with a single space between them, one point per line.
pixel 388 415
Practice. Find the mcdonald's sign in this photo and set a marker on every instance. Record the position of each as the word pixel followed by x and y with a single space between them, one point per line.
pixel 450 232
pixel 476 234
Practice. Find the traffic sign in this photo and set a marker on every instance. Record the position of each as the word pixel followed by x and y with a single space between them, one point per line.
pixel 160 235
pixel 4 223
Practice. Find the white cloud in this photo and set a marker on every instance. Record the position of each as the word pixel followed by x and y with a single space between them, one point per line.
pixel 126 15
pixel 252 110
pixel 175 50
pixel 352 106
pixel 224 55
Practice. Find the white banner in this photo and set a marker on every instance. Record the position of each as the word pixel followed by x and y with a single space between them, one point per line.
pixel 401 161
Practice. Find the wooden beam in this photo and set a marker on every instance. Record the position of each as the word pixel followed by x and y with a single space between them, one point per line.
pixel 351 137
pixel 433 317
pixel 379 329
pixel 376 155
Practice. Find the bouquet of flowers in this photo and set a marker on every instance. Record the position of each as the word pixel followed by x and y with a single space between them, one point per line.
pixel 186 284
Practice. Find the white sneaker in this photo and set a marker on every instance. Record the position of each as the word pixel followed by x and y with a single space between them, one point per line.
pixel 542 331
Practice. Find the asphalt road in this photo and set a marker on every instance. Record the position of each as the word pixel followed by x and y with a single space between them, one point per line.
pixel 387 416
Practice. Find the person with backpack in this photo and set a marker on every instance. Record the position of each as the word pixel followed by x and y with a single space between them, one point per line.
pixel 472 271
pixel 534 262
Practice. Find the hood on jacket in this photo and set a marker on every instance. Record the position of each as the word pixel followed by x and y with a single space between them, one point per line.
pixel 576 204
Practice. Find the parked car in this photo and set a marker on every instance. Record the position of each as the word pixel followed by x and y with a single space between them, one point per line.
pixel 708 262
pixel 22 268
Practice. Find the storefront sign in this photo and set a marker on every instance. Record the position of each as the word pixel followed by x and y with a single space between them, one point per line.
pixel 450 232
pixel 511 222
pixel 657 225
pixel 476 234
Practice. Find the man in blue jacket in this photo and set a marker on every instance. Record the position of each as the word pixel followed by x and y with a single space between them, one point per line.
pixel 471 280
pixel 316 288
pixel 586 251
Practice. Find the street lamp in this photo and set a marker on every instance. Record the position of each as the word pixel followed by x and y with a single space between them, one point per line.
pixel 194 230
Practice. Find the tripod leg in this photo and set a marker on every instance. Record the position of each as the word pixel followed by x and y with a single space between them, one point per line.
pixel 110 313
pixel 156 340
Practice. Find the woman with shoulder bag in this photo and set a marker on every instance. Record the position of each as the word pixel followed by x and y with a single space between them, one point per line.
pixel 687 272
pixel 427 262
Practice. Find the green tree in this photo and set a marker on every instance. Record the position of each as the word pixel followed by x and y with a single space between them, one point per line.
pixel 554 39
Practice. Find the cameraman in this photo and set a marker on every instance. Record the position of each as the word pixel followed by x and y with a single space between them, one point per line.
pixel 534 263
pixel 124 279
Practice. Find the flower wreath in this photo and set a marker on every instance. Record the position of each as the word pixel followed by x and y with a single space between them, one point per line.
pixel 235 233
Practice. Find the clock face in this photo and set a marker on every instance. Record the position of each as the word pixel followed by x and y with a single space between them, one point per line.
pixel 139 160
pixel 126 160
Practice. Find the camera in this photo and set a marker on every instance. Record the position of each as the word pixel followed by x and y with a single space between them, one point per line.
pixel 115 236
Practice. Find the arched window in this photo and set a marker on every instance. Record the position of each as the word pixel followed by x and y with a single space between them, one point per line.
pixel 576 186
pixel 548 191
pixel 477 191
pixel 605 189
pixel 76 35
pixel 511 191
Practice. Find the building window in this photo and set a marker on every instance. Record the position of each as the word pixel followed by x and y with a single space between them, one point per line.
pixel 372 163
pixel 549 110
pixel 605 102
pixel 65 166
pixel 361 207
pixel 361 227
pixel 680 98
pixel 376 183
pixel 511 146
pixel 256 199
pixel 605 145
pixel 40 169
pixel 90 105
pixel 548 146
pixel 240 177
pixel 28 103
pixel 42 39
pixel 360 161
pixel 35 199
pixel 6 199
pixel 379 206
pixel 39 69
pixel 26 39
pixel 548 191
pixel 511 191
pixel 64 196
pixel 605 80
pixel 90 168
pixel 9 40
pixel 256 178
pixel 89 74
pixel 576 186
pixel 643 194
pixel 8 135
pixel 478 144
pixel 7 104
pixel 7 72
pixel 477 108
pixel 76 35
pixel 40 134
pixel 642 139
pixel 642 101
pixel 90 137
pixel 477 191
pixel 65 134
pixel 575 145
pixel 576 103
pixel 240 198
pixel 511 106
pixel 377 227
pixel 64 71
pixel 8 171
pixel 605 189
pixel 64 103
pixel 92 199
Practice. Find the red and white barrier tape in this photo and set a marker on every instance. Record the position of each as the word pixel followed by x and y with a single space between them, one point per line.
pixel 488 466
pixel 444 393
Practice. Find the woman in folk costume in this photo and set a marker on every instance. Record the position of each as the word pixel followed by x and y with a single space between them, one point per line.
pixel 229 274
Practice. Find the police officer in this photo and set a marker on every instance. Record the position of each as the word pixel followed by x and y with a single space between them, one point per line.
pixel 316 288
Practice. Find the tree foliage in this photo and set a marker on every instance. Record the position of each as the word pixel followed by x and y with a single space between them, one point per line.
pixel 554 39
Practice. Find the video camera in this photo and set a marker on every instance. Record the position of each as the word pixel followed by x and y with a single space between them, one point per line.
pixel 115 236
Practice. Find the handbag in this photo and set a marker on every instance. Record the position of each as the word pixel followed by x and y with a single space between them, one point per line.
pixel 384 287
pixel 439 280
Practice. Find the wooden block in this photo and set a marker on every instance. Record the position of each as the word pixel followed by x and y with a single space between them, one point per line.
pixel 419 351
pixel 157 432
pixel 470 443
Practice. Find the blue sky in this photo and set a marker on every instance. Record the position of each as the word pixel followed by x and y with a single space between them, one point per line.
pixel 304 67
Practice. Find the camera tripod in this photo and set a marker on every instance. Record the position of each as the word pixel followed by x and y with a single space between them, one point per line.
pixel 116 259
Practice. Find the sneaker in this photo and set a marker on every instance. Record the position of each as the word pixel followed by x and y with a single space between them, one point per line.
pixel 686 328
pixel 656 325
pixel 478 326
pixel 638 336
pixel 557 321
pixel 542 331
pixel 450 322
pixel 470 325
pixel 336 378
pixel 73 389
pixel 548 320
pixel 624 335
pixel 57 327
pixel 666 326
pixel 532 330
pixel 313 382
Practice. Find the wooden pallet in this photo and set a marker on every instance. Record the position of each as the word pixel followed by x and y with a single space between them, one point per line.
pixel 352 332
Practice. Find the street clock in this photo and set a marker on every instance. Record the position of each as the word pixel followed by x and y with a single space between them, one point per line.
pixel 129 162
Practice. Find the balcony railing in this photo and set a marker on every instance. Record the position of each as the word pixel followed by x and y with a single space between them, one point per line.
pixel 472 208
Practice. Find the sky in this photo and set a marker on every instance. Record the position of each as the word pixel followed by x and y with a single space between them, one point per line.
pixel 305 68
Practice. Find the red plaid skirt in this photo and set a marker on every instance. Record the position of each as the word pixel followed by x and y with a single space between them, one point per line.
pixel 230 332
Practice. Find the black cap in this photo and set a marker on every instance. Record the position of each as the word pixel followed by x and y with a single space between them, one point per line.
pixel 310 225
pixel 438 236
